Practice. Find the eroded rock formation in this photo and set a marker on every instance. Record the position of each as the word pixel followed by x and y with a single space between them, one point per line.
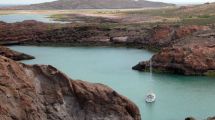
pixel 41 92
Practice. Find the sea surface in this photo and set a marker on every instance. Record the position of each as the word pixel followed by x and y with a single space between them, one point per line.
pixel 12 18
pixel 177 96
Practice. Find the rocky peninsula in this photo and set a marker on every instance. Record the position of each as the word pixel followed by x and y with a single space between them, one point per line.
pixel 191 55
pixel 4 51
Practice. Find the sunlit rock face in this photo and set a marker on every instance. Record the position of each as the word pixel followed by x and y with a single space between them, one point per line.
pixel 41 92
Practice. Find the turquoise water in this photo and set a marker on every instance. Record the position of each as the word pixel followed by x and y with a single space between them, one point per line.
pixel 177 96
pixel 12 18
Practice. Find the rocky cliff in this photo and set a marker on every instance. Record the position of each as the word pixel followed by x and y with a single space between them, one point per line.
pixel 193 55
pixel 41 92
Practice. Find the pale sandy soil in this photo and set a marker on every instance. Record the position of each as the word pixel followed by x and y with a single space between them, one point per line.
pixel 114 14
pixel 97 11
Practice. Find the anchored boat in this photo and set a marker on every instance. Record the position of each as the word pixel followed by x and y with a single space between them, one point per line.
pixel 150 97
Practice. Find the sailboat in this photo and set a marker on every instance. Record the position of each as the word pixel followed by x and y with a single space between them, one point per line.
pixel 151 96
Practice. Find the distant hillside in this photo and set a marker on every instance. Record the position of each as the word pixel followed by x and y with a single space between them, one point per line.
pixel 203 14
pixel 202 9
pixel 93 4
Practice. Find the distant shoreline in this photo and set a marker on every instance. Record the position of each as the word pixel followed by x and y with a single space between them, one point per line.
pixel 177 4
pixel 10 5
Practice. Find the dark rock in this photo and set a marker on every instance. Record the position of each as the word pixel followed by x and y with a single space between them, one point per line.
pixel 211 118
pixel 190 118
pixel 14 54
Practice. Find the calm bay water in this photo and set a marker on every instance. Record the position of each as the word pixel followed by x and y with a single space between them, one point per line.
pixel 177 96
pixel 12 18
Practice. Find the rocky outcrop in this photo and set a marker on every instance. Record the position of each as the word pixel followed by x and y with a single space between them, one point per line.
pixel 14 54
pixel 17 33
pixel 41 92
pixel 194 55
pixel 33 32
pixel 165 35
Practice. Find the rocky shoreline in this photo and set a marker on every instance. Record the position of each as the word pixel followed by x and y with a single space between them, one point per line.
pixel 14 55
pixel 187 50
pixel 193 55
pixel 40 92
pixel 38 33
pixel 35 92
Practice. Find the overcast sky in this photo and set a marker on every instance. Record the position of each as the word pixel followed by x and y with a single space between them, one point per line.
pixel 39 1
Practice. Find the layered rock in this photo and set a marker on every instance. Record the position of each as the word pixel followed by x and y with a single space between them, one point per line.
pixel 4 51
pixel 41 92
pixel 194 55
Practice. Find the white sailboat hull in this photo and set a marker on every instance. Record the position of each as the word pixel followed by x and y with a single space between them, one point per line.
pixel 151 97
